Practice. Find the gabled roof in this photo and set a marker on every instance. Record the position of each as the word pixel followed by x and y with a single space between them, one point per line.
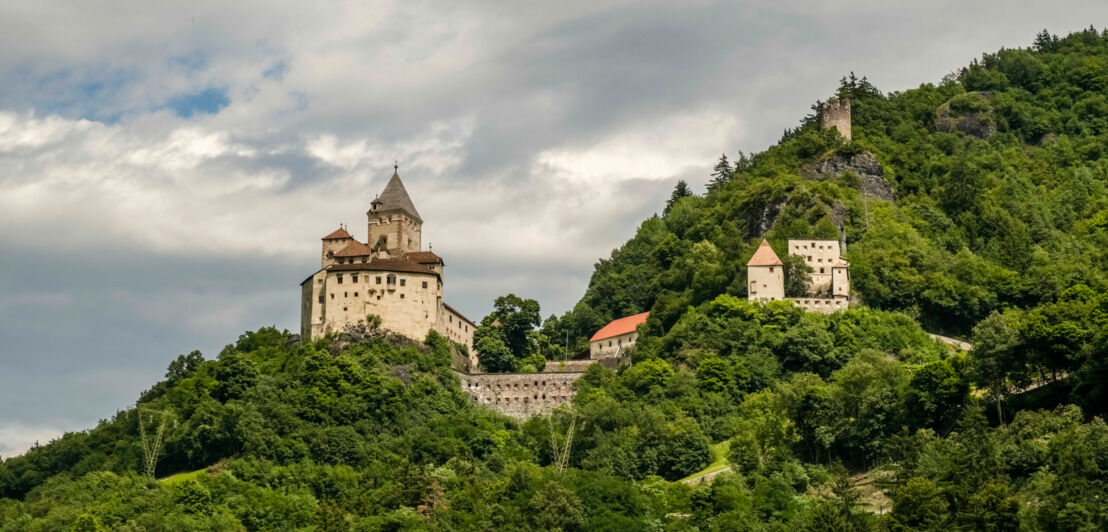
pixel 459 314
pixel 395 198
pixel 354 249
pixel 620 326
pixel 764 256
pixel 841 264
pixel 337 234
pixel 423 257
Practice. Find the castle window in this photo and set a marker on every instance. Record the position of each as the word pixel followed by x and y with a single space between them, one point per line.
pixel 378 279
pixel 401 296
pixel 320 298
pixel 332 295
pixel 353 277
pixel 364 259
pixel 450 319
pixel 390 279
pixel 340 278
pixel 355 294
pixel 771 269
pixel 402 282
pixel 344 309
pixel 330 254
pixel 378 298
pixel 424 285
pixel 821 270
pixel 346 294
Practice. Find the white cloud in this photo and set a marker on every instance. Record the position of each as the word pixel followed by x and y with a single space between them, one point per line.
pixel 17 438
pixel 658 148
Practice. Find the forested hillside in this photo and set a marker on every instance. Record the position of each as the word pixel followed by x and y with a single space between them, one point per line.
pixel 1000 178
pixel 856 420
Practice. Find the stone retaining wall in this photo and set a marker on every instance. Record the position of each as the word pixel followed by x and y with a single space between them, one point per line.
pixel 520 395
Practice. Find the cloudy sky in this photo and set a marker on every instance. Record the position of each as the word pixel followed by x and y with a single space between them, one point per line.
pixel 166 172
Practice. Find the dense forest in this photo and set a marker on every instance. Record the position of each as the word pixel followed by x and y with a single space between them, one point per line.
pixel 974 207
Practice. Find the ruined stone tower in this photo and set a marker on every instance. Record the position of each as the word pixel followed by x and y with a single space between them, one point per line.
pixel 835 113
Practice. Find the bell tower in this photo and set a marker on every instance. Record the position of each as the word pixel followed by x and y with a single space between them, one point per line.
pixel 394 224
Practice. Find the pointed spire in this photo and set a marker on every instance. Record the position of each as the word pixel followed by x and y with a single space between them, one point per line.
pixel 764 256
pixel 395 197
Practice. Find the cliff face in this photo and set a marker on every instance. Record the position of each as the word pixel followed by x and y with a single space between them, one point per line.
pixel 871 174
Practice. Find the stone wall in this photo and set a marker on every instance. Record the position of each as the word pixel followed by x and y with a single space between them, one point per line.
pixel 520 395
pixel 563 366
pixel 399 231
pixel 824 305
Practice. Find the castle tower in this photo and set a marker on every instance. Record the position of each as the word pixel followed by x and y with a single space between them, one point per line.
pixel 765 274
pixel 394 224
pixel 835 113
pixel 333 243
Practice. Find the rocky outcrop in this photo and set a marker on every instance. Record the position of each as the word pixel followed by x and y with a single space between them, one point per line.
pixel 871 175
pixel 971 113
pixel 759 221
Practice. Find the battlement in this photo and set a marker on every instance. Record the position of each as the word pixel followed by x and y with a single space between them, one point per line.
pixel 835 113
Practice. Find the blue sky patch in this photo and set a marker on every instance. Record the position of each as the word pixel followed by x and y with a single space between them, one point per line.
pixel 207 101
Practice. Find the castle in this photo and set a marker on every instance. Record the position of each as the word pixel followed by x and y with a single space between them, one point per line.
pixel 829 281
pixel 389 276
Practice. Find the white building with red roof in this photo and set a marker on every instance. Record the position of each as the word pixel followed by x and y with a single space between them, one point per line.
pixel 612 339
pixel 765 275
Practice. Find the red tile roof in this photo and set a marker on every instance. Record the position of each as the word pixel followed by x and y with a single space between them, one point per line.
pixel 423 257
pixel 841 264
pixel 355 249
pixel 384 265
pixel 620 326
pixel 337 234
pixel 764 256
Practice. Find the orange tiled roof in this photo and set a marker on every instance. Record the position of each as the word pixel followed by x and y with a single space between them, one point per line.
pixel 337 234
pixel 620 326
pixel 764 256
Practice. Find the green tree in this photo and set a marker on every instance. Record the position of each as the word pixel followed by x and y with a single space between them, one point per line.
pixel 721 173
pixel 555 507
pixel 991 359
pixel 679 191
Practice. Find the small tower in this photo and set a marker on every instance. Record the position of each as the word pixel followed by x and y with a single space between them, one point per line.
pixel 765 274
pixel 394 224
pixel 333 243
pixel 835 113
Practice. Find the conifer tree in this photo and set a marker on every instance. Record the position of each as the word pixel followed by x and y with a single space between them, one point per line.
pixel 679 191
pixel 720 174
